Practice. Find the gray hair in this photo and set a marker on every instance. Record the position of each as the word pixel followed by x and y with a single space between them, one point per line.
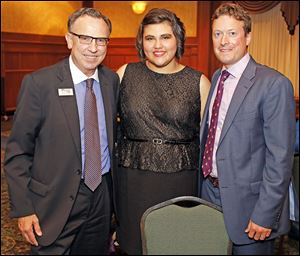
pixel 89 12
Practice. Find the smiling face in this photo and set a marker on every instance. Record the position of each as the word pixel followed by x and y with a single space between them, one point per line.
pixel 229 40
pixel 160 46
pixel 87 57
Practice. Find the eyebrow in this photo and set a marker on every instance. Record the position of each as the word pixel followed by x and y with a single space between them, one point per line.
pixel 106 38
pixel 166 34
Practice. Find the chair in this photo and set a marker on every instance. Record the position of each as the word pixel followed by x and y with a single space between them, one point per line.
pixel 294 206
pixel 296 173
pixel 184 225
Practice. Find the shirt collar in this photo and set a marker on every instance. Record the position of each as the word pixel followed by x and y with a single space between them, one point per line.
pixel 238 68
pixel 77 75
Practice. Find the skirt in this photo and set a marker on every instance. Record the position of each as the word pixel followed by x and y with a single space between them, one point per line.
pixel 137 190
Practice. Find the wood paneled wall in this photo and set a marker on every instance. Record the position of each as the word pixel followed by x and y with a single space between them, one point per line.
pixel 122 50
pixel 24 53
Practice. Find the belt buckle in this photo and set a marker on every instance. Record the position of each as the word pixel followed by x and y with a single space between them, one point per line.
pixel 214 181
pixel 157 141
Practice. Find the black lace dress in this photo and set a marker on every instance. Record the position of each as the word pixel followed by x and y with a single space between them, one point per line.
pixel 158 145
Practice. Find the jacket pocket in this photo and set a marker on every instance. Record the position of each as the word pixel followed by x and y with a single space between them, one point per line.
pixel 38 187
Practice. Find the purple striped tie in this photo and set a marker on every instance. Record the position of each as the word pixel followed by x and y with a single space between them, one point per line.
pixel 209 146
pixel 93 176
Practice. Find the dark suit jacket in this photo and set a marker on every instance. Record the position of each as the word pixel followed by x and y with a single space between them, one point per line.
pixel 255 152
pixel 43 157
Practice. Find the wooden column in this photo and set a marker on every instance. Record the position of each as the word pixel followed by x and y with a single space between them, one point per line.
pixel 214 63
pixel 203 36
pixel 88 4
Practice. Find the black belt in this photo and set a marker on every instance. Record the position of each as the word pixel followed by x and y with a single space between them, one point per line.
pixel 160 141
pixel 214 181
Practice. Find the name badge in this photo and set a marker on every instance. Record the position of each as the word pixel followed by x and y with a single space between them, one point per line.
pixel 65 92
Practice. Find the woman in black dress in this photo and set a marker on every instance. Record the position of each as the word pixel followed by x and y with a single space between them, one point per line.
pixel 159 125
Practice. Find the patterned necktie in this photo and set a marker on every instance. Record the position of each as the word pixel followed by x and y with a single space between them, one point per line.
pixel 93 176
pixel 209 146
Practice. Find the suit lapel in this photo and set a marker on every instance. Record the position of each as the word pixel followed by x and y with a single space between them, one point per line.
pixel 106 91
pixel 240 93
pixel 69 105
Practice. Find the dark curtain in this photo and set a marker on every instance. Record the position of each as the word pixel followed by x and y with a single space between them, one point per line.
pixel 89 4
pixel 256 7
pixel 289 10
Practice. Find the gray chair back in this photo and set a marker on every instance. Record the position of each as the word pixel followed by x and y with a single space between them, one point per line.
pixel 184 225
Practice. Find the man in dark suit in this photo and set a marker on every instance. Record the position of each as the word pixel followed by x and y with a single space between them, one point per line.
pixel 46 158
pixel 246 157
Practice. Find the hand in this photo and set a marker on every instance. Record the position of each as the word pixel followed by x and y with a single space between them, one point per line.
pixel 28 225
pixel 257 232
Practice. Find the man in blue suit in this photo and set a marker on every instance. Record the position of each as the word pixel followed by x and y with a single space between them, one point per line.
pixel 246 157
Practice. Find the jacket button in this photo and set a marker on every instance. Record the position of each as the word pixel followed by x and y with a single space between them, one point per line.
pixel 78 172
pixel 72 198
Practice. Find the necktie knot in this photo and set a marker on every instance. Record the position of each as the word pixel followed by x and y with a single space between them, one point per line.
pixel 225 74
pixel 89 83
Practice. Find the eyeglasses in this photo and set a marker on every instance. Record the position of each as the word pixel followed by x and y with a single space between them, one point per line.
pixel 83 39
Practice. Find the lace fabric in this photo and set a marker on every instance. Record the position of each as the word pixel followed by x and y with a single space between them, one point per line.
pixel 164 106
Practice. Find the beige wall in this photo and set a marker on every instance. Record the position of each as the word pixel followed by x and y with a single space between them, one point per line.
pixel 125 22
pixel 50 17
pixel 36 17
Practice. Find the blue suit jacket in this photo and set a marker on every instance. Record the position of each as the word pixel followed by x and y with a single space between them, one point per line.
pixel 255 152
